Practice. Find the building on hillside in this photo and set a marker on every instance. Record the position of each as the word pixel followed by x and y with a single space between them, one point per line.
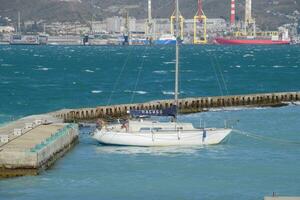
pixel 7 29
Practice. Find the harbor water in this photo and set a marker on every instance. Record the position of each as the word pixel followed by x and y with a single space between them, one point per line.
pixel 259 158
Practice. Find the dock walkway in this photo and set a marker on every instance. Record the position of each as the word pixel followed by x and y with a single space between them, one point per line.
pixel 31 144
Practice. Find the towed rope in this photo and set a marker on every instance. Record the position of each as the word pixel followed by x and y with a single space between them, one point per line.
pixel 260 137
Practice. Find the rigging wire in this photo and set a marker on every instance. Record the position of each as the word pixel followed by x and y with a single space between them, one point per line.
pixel 216 73
pixel 139 74
pixel 119 77
pixel 219 67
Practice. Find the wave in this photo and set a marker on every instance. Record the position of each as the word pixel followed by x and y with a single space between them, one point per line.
pixel 7 65
pixel 297 103
pixel 43 69
pixel 187 70
pixel 96 91
pixel 168 63
pixel 136 92
pixel 156 151
pixel 235 108
pixel 140 92
pixel 168 92
pixel 5 82
pixel 248 55
pixel 278 66
pixel 89 71
pixel 160 72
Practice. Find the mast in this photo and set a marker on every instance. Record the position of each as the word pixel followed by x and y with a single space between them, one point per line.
pixel 19 22
pixel 177 57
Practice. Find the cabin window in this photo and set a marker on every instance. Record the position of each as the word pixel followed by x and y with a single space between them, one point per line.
pixel 145 129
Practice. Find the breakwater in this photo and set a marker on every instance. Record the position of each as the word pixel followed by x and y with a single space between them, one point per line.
pixel 187 105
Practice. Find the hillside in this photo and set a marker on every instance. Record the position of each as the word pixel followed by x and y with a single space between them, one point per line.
pixel 268 13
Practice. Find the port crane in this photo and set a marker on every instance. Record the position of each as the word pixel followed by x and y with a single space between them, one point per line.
pixel 181 23
pixel 200 21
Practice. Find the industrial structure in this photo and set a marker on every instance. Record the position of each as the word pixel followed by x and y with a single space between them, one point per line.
pixel 181 24
pixel 232 13
pixel 150 25
pixel 200 19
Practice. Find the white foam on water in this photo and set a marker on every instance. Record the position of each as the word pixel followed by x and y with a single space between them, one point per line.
pixel 157 151
pixel 5 82
pixel 168 63
pixel 188 71
pixel 248 55
pixel 136 92
pixel 235 108
pixel 43 69
pixel 89 71
pixel 140 92
pixel 297 103
pixel 160 72
pixel 238 66
pixel 278 66
pixel 96 91
pixel 168 92
pixel 36 55
pixel 6 65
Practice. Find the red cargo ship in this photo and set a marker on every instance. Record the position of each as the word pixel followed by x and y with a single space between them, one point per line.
pixel 233 41
pixel 248 34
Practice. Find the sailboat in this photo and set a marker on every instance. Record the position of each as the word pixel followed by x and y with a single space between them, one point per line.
pixel 150 133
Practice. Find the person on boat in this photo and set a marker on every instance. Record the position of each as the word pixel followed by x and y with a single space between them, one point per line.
pixel 100 123
pixel 125 126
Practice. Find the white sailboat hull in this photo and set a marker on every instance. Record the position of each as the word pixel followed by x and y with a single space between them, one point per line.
pixel 148 139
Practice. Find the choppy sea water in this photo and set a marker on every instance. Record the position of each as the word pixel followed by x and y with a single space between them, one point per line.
pixel 41 79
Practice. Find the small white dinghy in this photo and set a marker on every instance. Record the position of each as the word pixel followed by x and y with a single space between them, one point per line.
pixel 152 133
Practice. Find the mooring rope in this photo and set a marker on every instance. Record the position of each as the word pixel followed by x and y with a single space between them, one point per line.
pixel 265 138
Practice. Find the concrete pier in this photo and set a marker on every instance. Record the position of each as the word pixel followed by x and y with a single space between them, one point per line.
pixel 32 144
pixel 188 105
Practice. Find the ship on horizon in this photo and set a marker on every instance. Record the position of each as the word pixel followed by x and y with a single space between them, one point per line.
pixel 249 34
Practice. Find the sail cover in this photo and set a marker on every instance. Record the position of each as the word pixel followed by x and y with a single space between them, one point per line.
pixel 172 111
